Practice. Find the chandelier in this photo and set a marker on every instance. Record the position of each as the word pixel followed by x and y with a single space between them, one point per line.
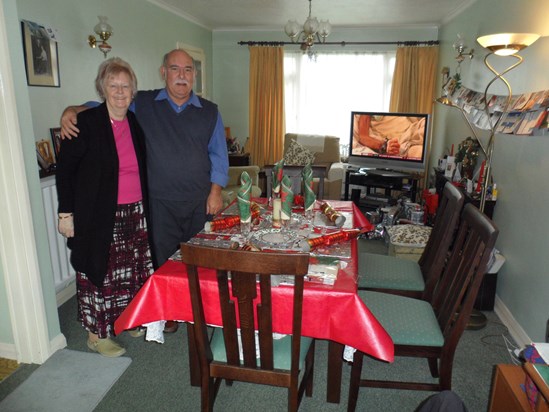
pixel 310 33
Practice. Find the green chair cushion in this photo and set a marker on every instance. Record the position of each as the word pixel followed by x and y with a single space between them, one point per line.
pixel 408 321
pixel 389 272
pixel 282 350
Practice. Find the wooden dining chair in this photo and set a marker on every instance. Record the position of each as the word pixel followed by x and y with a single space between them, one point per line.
pixel 405 277
pixel 263 360
pixel 294 173
pixel 420 330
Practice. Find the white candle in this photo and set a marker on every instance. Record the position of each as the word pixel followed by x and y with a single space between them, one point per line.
pixel 277 207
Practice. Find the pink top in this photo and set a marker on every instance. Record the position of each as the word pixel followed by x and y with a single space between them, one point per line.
pixel 129 185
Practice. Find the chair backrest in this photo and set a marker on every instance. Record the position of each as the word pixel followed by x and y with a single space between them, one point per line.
pixel 437 249
pixel 248 273
pixel 294 173
pixel 325 148
pixel 455 294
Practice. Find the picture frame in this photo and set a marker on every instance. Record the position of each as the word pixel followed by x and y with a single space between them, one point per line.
pixel 41 58
pixel 55 134
pixel 44 153
pixel 199 58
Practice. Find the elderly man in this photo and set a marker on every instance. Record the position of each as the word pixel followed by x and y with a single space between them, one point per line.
pixel 187 157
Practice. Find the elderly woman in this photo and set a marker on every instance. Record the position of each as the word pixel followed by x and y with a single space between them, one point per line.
pixel 102 192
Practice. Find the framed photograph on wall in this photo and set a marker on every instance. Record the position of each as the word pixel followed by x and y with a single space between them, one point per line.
pixel 56 141
pixel 199 58
pixel 41 59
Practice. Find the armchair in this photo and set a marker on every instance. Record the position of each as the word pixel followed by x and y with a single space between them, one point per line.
pixel 326 153
pixel 230 191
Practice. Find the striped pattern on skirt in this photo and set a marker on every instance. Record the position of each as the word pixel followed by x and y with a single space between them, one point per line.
pixel 128 268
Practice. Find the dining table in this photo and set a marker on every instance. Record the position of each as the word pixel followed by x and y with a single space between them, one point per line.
pixel 332 310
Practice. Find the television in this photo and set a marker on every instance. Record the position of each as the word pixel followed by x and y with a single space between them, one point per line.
pixel 389 141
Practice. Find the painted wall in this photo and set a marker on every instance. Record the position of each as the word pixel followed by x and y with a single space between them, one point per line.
pixel 23 109
pixel 231 64
pixel 142 34
pixel 520 165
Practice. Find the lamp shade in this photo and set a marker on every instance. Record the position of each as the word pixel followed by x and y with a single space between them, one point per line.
pixel 506 44
pixel 291 28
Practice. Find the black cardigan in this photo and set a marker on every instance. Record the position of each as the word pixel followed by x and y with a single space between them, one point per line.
pixel 87 185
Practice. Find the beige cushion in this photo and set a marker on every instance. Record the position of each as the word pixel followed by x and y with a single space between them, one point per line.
pixel 326 148
pixel 326 153
pixel 297 155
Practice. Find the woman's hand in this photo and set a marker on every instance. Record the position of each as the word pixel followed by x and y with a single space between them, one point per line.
pixel 65 224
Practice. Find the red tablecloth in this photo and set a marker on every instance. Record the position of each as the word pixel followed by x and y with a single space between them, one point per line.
pixel 329 312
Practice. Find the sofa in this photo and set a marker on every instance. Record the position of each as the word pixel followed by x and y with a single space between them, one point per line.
pixel 230 191
pixel 323 151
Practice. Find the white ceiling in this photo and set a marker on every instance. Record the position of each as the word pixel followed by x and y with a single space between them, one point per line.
pixel 273 14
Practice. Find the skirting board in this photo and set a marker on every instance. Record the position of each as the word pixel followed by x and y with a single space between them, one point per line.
pixel 66 293
pixel 515 330
pixel 8 350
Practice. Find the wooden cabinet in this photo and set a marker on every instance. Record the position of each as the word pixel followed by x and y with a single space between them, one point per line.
pixel 507 391
pixel 239 159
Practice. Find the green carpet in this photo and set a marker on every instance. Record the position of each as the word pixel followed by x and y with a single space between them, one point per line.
pixel 68 381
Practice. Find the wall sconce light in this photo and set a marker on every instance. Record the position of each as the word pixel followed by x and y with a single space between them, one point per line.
pixel 104 31
pixel 503 44
pixel 461 48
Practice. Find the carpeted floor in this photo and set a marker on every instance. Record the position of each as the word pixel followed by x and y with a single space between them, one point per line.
pixel 157 380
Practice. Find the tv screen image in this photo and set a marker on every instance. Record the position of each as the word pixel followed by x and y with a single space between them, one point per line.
pixel 389 140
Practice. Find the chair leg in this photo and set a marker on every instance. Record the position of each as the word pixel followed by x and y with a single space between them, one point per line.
pixel 354 384
pixel 433 367
pixel 207 393
pixel 309 370
pixel 293 398
pixel 446 364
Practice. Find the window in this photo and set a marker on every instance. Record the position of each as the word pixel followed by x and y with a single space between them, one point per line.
pixel 320 95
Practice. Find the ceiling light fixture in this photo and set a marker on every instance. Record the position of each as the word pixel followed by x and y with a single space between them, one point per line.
pixel 104 31
pixel 310 33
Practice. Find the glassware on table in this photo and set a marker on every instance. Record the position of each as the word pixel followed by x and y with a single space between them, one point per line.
pixel 309 216
pixel 286 224
pixel 245 228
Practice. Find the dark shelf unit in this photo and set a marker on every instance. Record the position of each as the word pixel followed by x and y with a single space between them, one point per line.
pixel 389 182
pixel 239 159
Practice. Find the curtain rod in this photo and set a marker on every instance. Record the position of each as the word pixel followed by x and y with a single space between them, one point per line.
pixel 343 43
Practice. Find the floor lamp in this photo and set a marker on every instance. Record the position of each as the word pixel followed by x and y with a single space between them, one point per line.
pixel 502 44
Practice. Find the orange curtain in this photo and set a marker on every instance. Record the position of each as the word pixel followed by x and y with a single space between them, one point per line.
pixel 414 79
pixel 266 112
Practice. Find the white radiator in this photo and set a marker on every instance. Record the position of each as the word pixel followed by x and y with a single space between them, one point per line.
pixel 63 273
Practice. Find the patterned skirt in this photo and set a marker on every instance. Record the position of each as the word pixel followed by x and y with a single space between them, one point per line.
pixel 128 268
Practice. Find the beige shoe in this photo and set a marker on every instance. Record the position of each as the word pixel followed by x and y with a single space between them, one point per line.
pixel 136 332
pixel 106 347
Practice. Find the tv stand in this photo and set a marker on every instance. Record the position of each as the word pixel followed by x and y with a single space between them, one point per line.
pixel 388 180
pixel 384 173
